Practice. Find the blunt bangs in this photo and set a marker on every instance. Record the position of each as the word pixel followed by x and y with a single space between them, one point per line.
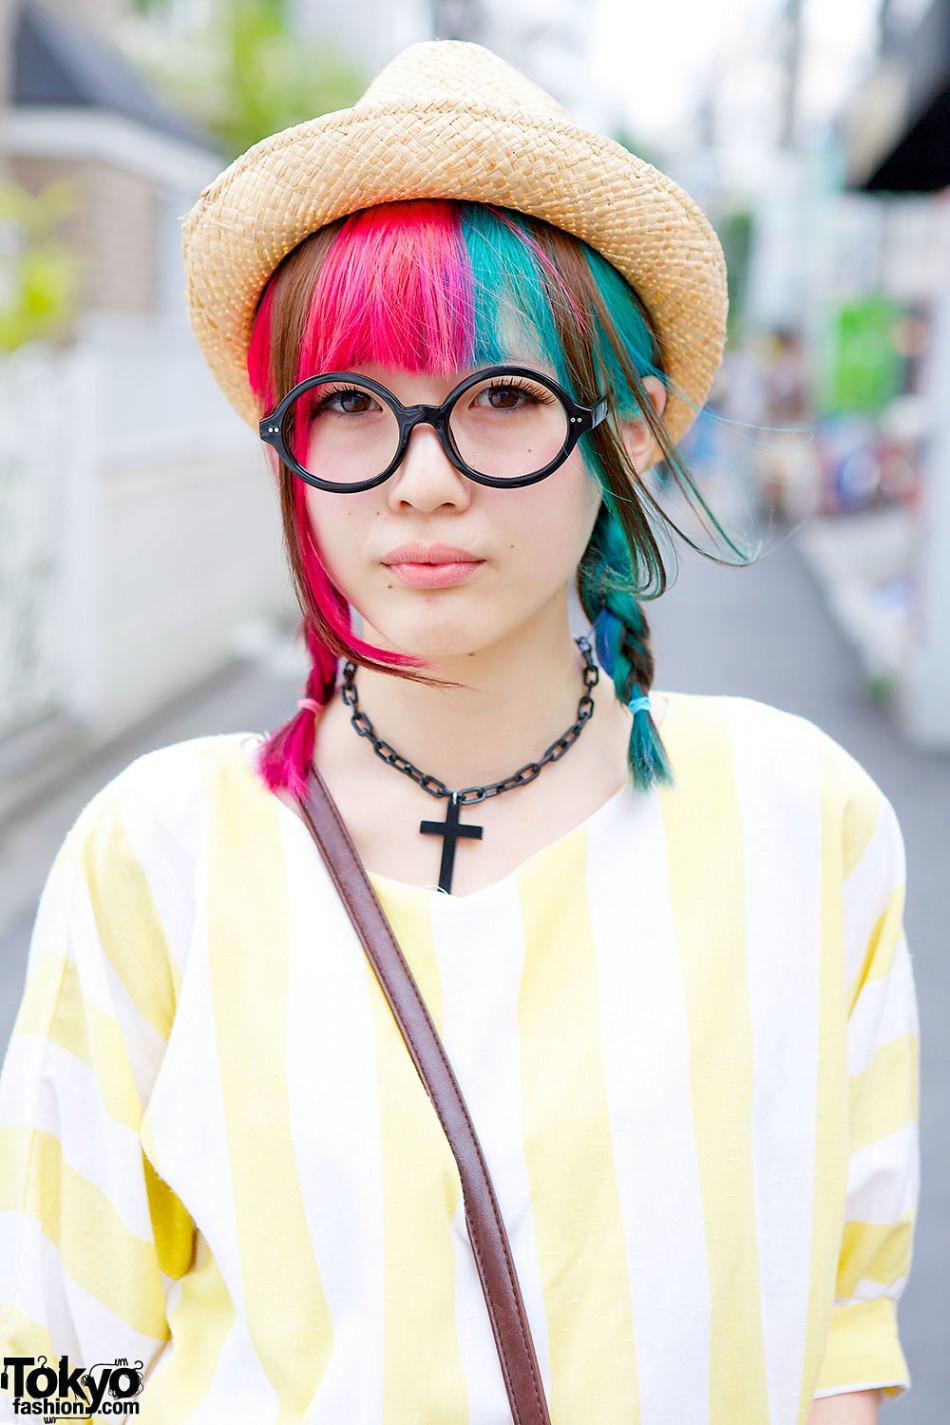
pixel 433 287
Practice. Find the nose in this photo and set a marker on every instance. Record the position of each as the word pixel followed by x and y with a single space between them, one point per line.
pixel 425 478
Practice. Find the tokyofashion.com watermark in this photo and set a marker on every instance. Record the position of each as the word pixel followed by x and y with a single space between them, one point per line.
pixel 64 1391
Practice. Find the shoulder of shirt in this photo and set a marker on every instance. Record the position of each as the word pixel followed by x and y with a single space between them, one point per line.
pixel 794 741
pixel 166 785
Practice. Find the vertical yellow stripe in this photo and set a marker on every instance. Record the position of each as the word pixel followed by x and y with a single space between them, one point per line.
pixel 843 831
pixel 287 1315
pixel 423 1379
pixel 128 923
pixel 861 811
pixel 54 1005
pixel 200 1323
pixel 568 1149
pixel 172 1227
pixel 707 897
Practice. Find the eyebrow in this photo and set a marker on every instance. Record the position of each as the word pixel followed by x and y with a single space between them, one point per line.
pixel 374 369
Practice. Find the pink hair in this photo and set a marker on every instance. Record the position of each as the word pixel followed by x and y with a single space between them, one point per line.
pixel 395 289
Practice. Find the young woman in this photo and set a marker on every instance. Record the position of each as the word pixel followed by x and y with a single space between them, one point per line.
pixel 660 934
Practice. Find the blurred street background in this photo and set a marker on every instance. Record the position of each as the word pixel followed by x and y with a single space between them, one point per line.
pixel 143 597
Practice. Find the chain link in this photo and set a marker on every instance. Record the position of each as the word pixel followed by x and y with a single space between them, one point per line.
pixel 470 795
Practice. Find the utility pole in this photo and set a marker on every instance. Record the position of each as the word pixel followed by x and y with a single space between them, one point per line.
pixel 8 18
pixel 883 25
pixel 791 69
pixel 457 19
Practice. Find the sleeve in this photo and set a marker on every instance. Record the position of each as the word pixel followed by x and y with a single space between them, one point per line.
pixel 864 1348
pixel 91 1239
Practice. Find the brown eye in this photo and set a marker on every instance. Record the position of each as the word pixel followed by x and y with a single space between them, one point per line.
pixel 348 402
pixel 507 397
pixel 503 397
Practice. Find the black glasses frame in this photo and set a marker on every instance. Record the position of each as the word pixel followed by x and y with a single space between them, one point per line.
pixel 580 420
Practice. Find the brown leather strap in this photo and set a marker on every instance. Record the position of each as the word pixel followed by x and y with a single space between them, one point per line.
pixel 486 1230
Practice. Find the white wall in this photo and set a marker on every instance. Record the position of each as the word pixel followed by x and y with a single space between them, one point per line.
pixel 185 533
pixel 139 532
pixel 183 554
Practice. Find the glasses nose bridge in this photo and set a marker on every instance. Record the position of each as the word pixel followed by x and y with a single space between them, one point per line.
pixel 424 416
pixel 434 416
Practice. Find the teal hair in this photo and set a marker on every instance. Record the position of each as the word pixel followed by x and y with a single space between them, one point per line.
pixel 511 300
pixel 605 584
pixel 518 289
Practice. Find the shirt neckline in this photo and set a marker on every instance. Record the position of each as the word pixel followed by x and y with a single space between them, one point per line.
pixel 408 889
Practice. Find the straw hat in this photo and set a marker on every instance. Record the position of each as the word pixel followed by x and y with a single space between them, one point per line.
pixel 448 119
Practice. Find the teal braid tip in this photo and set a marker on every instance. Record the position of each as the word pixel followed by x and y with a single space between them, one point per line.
pixel 646 757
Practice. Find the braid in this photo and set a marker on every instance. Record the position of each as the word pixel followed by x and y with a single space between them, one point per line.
pixel 286 756
pixel 622 637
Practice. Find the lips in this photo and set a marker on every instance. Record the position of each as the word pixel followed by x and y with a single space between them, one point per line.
pixel 430 554
pixel 431 566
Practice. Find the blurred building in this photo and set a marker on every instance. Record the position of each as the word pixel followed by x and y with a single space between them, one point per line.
pixel 121 465
pixel 367 32
pixel 549 40
pixel 898 122
pixel 78 112
pixel 841 169
pixel 896 151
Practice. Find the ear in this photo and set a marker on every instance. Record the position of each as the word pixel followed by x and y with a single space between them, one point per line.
pixel 637 436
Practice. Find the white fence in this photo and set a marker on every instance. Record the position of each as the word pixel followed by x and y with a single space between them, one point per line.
pixel 138 530
pixel 44 473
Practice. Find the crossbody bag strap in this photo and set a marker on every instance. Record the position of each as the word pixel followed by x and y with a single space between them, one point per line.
pixel 486 1230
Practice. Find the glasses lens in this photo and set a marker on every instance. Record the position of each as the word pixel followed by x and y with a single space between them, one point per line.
pixel 508 426
pixel 342 432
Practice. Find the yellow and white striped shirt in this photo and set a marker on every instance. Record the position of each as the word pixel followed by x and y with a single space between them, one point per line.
pixel 687 1032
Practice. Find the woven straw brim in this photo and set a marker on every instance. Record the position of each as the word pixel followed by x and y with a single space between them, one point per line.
pixel 539 162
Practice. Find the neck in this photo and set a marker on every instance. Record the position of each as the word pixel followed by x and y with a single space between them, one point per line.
pixel 515 698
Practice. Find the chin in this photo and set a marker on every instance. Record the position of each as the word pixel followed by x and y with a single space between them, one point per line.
pixel 433 638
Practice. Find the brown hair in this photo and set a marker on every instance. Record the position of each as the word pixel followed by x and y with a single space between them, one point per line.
pixel 622 562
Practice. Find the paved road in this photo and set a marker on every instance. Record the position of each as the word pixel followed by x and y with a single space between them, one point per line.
pixel 761 632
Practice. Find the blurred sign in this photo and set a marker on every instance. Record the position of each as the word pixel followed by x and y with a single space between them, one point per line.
pixel 866 362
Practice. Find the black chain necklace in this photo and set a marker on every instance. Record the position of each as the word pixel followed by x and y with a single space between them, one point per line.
pixel 452 829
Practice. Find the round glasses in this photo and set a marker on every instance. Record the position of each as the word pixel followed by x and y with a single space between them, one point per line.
pixel 504 426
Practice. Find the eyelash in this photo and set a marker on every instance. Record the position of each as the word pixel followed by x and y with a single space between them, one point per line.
pixel 540 394
pixel 341 391
pixel 335 390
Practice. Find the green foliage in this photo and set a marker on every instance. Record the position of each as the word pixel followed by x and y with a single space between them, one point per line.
pixel 248 73
pixel 39 272
pixel 633 145
pixel 735 234
pixel 882 688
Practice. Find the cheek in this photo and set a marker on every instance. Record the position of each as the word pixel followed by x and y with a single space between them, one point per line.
pixel 336 522
pixel 590 501
pixel 553 520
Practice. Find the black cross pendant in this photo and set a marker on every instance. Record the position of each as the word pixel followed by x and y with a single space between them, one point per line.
pixel 451 829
